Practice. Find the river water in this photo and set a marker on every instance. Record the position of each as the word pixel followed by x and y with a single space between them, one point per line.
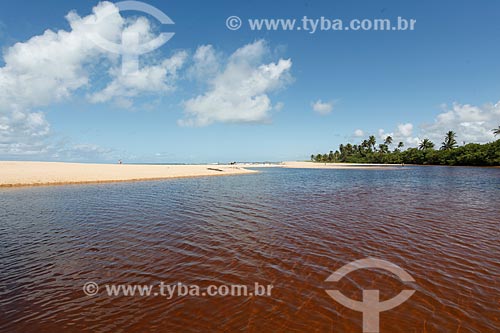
pixel 289 228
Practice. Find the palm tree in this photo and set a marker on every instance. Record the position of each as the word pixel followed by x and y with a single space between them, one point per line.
pixel 400 145
pixel 312 157
pixel 383 148
pixel 388 140
pixel 330 156
pixel 426 144
pixel 364 144
pixel 348 148
pixel 449 141
pixel 372 141
pixel 496 131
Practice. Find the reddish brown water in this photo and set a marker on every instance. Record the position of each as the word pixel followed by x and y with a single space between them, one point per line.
pixel 288 228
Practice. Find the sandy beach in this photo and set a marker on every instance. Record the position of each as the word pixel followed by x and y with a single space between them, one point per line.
pixel 56 173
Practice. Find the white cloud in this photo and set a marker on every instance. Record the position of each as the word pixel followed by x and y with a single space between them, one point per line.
pixel 322 108
pixel 382 135
pixel 279 106
pixel 239 92
pixel 358 133
pixel 55 65
pixel 46 69
pixel 51 67
pixel 471 123
pixel 149 79
pixel 402 133
pixel 159 78
pixel 405 129
pixel 206 63
pixel 22 132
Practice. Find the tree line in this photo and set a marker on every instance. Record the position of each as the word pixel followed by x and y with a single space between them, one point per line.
pixel 449 152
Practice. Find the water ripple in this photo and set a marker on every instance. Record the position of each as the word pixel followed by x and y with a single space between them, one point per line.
pixel 289 228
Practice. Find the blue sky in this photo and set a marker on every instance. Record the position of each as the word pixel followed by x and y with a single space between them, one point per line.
pixel 409 84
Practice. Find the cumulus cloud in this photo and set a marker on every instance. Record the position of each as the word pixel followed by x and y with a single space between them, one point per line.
pixel 359 133
pixel 322 108
pixel 46 69
pixel 50 67
pixel 405 129
pixel 158 78
pixel 239 92
pixel 471 123
pixel 206 63
pixel 53 66
pixel 405 133
pixel 402 133
pixel 56 65
pixel 382 134
pixel 149 79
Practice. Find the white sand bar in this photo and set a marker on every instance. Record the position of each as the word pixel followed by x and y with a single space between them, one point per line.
pixel 56 173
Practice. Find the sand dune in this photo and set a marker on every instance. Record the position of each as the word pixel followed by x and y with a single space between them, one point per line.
pixel 56 173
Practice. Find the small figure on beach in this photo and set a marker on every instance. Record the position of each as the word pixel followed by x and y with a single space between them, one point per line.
pixel 119 161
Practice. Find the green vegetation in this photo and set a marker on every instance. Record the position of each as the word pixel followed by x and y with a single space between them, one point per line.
pixel 449 154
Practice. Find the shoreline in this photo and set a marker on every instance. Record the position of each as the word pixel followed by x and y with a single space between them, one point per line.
pixel 351 166
pixel 319 165
pixel 23 174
